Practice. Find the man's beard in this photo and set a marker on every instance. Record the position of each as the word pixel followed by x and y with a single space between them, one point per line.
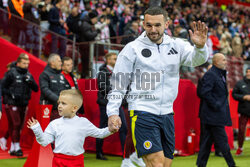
pixel 155 39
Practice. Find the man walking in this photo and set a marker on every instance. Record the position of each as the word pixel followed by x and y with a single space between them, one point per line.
pixel 215 114
pixel 150 66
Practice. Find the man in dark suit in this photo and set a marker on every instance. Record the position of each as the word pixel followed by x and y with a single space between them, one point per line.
pixel 217 151
pixel 104 86
pixel 215 112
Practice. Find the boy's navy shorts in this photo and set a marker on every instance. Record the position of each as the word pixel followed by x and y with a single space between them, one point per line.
pixel 152 133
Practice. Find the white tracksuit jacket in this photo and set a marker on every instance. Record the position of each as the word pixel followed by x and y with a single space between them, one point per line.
pixel 152 71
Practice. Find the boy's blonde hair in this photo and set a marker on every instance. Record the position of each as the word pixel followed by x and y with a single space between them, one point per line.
pixel 76 96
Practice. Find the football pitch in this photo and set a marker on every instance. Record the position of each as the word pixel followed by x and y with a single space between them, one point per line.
pixel 115 161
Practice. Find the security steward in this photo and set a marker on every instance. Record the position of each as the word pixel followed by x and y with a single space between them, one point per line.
pixel 17 86
pixel 52 82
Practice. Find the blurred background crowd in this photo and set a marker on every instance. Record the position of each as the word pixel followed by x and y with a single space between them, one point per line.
pixel 57 24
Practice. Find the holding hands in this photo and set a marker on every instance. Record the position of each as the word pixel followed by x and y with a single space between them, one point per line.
pixel 31 122
pixel 114 123
pixel 199 34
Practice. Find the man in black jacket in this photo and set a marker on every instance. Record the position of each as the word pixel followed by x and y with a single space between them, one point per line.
pixel 104 87
pixel 56 22
pixel 17 85
pixel 87 33
pixel 215 112
pixel 241 93
pixel 217 152
pixel 52 82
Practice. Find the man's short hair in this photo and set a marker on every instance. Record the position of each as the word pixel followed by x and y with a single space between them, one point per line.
pixel 76 96
pixel 156 11
pixel 109 54
pixel 248 68
pixel 66 58
pixel 52 57
pixel 22 56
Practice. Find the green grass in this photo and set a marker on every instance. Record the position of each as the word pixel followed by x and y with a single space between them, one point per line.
pixel 189 161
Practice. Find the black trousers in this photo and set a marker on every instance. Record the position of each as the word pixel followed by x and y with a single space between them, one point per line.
pixel 202 129
pixel 104 124
pixel 217 135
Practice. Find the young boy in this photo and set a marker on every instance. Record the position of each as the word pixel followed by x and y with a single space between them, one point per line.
pixel 68 132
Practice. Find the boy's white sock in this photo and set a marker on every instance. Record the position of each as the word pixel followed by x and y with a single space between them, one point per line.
pixel 12 147
pixel 17 146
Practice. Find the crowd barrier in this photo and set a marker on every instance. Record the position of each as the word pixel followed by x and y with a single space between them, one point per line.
pixel 186 108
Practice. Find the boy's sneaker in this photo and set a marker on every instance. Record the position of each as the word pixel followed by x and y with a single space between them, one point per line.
pixel 239 151
pixel 19 153
pixel 127 163
pixel 3 143
pixel 138 161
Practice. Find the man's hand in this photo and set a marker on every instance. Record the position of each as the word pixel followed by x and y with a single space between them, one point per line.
pixel 246 97
pixel 0 115
pixel 114 123
pixel 199 36
pixel 31 122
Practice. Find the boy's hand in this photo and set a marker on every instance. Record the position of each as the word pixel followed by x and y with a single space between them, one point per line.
pixel 31 122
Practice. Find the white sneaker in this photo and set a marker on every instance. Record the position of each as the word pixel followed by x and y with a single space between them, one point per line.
pixel 3 143
pixel 127 163
pixel 139 161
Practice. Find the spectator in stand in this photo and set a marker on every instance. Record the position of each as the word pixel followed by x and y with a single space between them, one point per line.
pixel 85 11
pixel 225 46
pixel 15 7
pixel 124 19
pixel 246 48
pixel 74 22
pixel 103 80
pixel 4 16
pixel 215 40
pixel 87 33
pixel 31 41
pixel 86 30
pixel 17 86
pixel 237 45
pixel 103 26
pixel 52 82
pixel 241 93
pixel 233 29
pixel 57 26
pixel 131 33
pixel 180 32
pixel 112 15
pixel 43 9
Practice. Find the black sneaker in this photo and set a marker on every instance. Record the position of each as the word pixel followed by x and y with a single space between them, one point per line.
pixel 12 153
pixel 218 154
pixel 101 157
pixel 19 153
